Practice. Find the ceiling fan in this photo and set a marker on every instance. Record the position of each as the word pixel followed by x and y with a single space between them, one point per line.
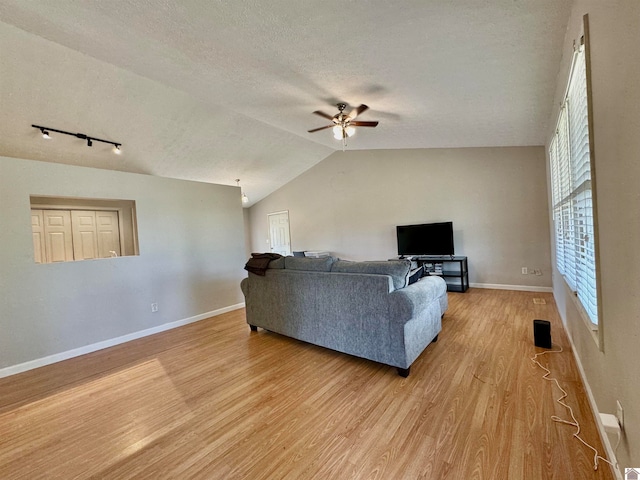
pixel 344 124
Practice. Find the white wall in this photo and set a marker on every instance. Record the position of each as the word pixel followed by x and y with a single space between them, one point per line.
pixel 191 258
pixel 351 202
pixel 613 373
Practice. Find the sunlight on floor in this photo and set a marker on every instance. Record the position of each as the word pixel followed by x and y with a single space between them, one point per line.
pixel 114 420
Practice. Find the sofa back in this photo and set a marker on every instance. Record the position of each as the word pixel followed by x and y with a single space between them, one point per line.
pixel 398 270
pixel 352 307
pixel 347 312
pixel 307 264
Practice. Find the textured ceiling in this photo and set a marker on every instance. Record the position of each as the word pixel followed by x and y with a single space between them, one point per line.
pixel 212 91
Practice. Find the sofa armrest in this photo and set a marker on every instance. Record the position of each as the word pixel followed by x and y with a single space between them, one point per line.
pixel 406 303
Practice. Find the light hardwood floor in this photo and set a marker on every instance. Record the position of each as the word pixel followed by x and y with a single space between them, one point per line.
pixel 212 400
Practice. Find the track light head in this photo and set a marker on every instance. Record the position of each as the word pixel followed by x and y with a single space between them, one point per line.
pixel 45 134
pixel 89 142
pixel 116 149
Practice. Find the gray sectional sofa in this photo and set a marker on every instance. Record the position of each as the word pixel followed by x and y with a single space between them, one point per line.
pixel 366 309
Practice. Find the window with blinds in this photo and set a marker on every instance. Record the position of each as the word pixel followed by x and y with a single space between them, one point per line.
pixel 571 174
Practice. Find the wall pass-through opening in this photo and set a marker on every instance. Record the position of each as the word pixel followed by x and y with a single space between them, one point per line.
pixel 70 229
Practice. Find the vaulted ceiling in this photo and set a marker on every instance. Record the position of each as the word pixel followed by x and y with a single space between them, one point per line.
pixel 213 91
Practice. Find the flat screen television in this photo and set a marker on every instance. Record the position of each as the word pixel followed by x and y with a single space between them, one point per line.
pixel 425 239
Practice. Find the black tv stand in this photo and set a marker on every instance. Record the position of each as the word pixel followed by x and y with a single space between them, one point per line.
pixel 452 268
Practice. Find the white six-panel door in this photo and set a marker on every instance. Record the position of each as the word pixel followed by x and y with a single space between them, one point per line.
pixel 85 236
pixel 279 237
pixel 108 231
pixel 57 234
pixel 37 226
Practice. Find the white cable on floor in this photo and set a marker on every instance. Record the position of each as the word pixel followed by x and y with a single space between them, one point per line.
pixel 560 400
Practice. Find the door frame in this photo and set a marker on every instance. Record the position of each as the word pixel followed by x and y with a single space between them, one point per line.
pixel 288 227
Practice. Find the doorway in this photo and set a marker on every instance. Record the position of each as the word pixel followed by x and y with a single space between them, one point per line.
pixel 279 235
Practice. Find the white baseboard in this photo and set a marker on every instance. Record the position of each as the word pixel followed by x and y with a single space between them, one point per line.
pixel 594 408
pixel 76 352
pixel 522 288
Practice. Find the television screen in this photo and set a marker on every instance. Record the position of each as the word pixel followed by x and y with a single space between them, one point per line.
pixel 425 239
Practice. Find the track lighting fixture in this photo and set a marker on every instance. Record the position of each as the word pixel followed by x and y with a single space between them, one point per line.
pixel 244 197
pixel 45 134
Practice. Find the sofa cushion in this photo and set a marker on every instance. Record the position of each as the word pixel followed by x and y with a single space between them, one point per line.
pixel 322 264
pixel 398 270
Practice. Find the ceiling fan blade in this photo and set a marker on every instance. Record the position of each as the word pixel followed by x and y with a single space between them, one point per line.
pixel 320 128
pixel 364 124
pixel 323 115
pixel 357 111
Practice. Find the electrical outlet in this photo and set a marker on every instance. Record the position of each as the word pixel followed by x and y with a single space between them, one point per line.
pixel 154 307
pixel 537 272
pixel 620 414
pixel 525 270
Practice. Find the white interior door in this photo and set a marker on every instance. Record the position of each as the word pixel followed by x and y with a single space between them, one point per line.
pixel 279 236
pixel 95 234
pixel 85 240
pixel 108 230
pixel 37 226
pixel 67 235
pixel 57 232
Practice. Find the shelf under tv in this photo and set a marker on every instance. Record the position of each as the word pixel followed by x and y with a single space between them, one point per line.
pixel 455 269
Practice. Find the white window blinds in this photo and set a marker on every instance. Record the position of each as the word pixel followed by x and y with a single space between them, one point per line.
pixel 570 159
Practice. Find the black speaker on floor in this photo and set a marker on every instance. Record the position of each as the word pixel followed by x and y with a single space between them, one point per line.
pixel 542 333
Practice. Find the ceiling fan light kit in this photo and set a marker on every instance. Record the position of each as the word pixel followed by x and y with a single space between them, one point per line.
pixel 343 125
pixel 341 132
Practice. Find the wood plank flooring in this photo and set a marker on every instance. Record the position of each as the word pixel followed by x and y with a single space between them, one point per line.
pixel 212 400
